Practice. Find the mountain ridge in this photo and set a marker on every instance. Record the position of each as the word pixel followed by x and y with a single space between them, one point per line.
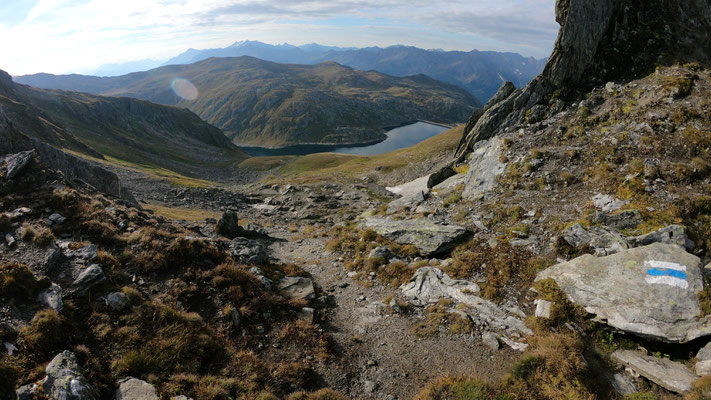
pixel 126 129
pixel 262 103
pixel 476 71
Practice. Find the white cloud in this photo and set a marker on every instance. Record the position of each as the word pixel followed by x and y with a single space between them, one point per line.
pixel 75 35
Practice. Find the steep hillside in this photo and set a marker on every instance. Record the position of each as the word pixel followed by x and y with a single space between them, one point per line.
pixel 480 72
pixel 130 130
pixel 263 103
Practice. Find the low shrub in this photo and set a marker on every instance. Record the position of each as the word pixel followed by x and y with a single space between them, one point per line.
pixel 19 283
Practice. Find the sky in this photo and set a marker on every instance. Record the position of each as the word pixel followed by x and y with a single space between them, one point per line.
pixel 77 36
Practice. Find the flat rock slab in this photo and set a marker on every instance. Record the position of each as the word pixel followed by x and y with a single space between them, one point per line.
pixel 429 285
pixel 668 374
pixel 297 288
pixel 429 238
pixel 650 291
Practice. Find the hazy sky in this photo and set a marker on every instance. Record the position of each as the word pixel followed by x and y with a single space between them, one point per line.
pixel 61 36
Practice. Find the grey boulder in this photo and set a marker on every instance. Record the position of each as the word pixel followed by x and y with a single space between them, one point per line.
pixel 607 203
pixel 602 241
pixel 64 379
pixel 429 238
pixel 412 194
pixel 248 251
pixel 381 252
pixel 672 234
pixel 429 285
pixel 668 374
pixel 627 219
pixel 90 277
pixel 135 389
pixel 116 301
pixel 703 357
pixel 52 297
pixel 81 253
pixel 649 291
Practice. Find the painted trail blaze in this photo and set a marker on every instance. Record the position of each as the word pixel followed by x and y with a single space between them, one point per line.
pixel 666 273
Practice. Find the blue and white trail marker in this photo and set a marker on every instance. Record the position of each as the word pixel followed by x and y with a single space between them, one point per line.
pixel 666 273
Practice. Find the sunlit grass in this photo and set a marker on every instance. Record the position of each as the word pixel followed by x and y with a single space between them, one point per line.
pixel 152 170
pixel 182 213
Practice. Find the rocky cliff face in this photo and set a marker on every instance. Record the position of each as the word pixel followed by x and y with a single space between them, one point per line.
pixel 601 41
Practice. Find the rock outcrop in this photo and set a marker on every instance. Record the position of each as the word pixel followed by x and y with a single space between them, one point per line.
pixel 17 146
pixel 650 291
pixel 429 285
pixel 601 41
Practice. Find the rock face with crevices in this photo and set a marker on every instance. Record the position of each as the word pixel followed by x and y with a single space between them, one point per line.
pixel 649 291
pixel 600 41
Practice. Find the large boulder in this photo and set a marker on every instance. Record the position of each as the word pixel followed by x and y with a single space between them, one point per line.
pixel 650 291
pixel 65 381
pixel 428 237
pixel 484 168
pixel 668 374
pixel 135 389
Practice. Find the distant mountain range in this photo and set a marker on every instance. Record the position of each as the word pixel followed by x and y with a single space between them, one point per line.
pixel 130 130
pixel 480 72
pixel 262 103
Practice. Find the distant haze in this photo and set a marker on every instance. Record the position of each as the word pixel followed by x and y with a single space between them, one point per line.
pixel 79 36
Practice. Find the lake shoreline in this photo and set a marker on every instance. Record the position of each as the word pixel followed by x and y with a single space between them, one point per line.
pixel 354 144
pixel 397 137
